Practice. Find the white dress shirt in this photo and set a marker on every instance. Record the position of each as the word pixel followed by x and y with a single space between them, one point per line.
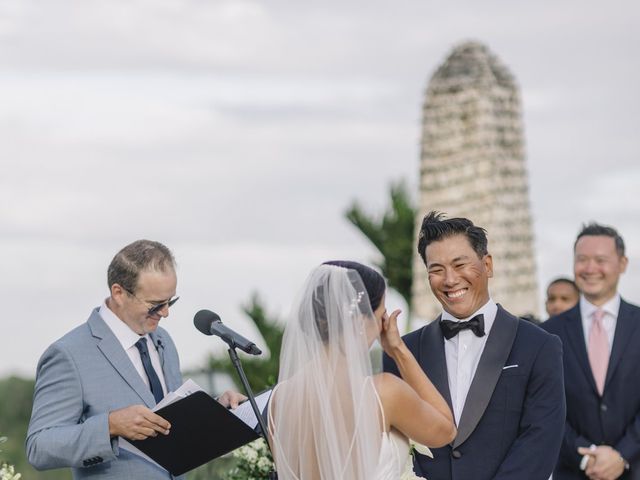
pixel 128 339
pixel 462 354
pixel 609 320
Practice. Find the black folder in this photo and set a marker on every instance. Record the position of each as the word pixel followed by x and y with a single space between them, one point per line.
pixel 201 430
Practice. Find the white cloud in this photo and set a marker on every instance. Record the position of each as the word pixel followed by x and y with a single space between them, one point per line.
pixel 237 132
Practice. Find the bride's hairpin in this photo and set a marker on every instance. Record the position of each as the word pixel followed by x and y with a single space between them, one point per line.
pixel 355 303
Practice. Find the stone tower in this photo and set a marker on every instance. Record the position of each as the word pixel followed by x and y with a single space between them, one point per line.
pixel 473 165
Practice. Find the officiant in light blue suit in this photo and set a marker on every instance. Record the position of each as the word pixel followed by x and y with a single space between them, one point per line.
pixel 100 381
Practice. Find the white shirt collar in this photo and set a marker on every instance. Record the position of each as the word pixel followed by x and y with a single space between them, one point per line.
pixel 121 330
pixel 489 310
pixel 612 307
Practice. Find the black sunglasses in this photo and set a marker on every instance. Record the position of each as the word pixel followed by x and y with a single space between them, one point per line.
pixel 158 306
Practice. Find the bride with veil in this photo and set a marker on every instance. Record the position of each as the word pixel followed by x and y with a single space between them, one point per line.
pixel 333 414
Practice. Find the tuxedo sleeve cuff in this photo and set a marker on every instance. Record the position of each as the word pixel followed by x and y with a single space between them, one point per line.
pixel 582 442
pixel 629 453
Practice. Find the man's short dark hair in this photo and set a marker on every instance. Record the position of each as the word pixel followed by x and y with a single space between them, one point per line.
pixel 594 229
pixel 136 257
pixel 566 280
pixel 435 227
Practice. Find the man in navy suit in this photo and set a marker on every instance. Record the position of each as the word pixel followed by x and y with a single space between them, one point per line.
pixel 601 342
pixel 501 376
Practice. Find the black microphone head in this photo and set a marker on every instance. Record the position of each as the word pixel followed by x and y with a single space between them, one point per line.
pixel 253 350
pixel 203 320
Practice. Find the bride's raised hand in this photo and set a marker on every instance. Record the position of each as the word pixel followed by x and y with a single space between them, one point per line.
pixel 390 335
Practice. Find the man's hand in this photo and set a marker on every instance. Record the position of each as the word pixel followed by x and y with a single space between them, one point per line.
pixel 607 465
pixel 136 422
pixel 231 399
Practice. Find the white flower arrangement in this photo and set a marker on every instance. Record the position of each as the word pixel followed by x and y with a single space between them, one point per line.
pixel 408 473
pixel 7 472
pixel 254 462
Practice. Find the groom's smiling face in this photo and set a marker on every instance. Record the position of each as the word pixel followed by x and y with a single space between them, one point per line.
pixel 458 277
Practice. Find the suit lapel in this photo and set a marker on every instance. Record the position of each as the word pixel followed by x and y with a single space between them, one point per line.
pixel 493 359
pixel 111 348
pixel 625 327
pixel 432 358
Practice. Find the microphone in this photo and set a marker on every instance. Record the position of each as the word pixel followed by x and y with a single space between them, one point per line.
pixel 209 323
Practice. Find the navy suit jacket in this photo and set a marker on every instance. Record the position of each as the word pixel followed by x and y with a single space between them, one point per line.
pixel 613 418
pixel 512 421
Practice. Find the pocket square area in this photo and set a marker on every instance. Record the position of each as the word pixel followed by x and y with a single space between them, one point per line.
pixel 507 367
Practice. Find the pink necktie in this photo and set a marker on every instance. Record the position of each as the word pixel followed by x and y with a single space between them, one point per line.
pixel 598 350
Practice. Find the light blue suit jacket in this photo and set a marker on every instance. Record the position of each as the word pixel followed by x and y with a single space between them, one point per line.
pixel 80 379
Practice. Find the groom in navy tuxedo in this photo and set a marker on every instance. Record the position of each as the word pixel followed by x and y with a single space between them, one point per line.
pixel 501 376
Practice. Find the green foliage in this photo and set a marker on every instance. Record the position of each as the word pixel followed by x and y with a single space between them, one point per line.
pixel 16 399
pixel 261 372
pixel 214 470
pixel 393 235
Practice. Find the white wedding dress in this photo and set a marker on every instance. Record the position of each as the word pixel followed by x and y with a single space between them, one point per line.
pixel 394 452
pixel 394 449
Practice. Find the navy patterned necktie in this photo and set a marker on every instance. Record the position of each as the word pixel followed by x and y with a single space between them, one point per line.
pixel 450 328
pixel 154 381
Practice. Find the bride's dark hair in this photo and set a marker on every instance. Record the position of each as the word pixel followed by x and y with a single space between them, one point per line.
pixel 359 276
pixel 372 280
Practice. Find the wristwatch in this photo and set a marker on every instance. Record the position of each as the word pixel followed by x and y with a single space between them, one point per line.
pixel 626 464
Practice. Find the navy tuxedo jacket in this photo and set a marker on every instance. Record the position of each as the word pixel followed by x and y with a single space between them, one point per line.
pixel 613 418
pixel 512 421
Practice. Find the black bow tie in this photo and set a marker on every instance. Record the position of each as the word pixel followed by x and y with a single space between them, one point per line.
pixel 450 329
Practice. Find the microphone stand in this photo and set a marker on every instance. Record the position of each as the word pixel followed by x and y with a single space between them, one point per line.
pixel 252 399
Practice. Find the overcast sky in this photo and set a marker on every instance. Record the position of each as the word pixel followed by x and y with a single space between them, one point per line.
pixel 237 132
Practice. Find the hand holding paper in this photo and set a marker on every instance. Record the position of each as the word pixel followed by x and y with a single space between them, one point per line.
pixel 231 399
pixel 136 422
pixel 201 429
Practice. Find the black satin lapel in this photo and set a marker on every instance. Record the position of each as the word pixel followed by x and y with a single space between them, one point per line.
pixel 432 358
pixel 574 338
pixel 625 329
pixel 493 359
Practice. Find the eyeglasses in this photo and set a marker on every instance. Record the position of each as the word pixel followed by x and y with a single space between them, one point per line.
pixel 156 306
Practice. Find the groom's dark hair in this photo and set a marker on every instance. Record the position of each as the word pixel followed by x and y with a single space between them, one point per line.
pixel 435 228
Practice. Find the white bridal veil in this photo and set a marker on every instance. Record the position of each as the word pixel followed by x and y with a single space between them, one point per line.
pixel 325 416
